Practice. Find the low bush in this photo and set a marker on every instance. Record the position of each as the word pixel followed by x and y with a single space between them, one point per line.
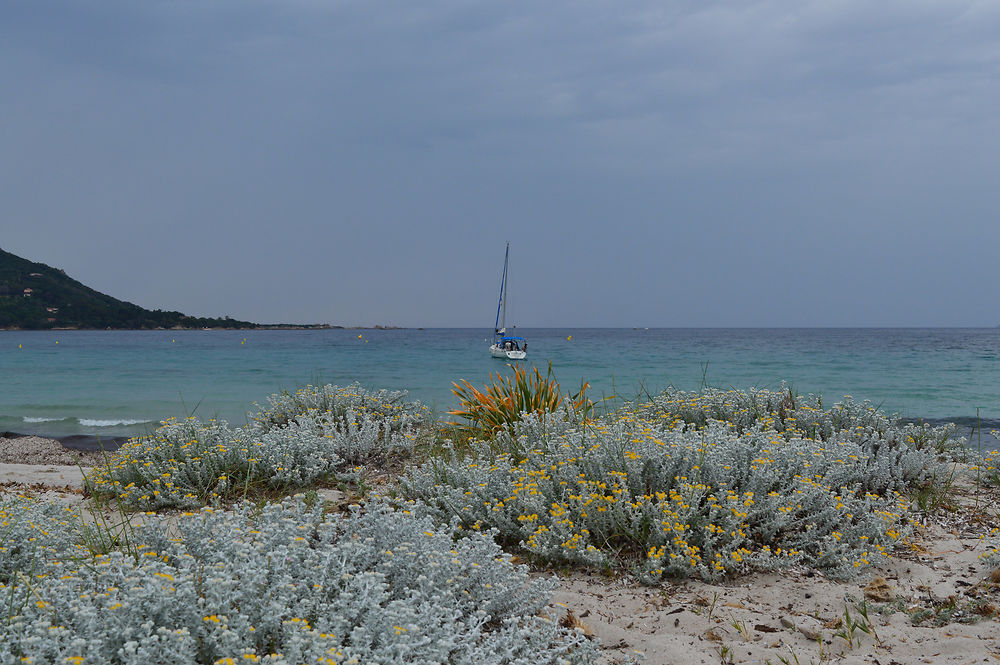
pixel 334 403
pixel 30 532
pixel 667 494
pixel 300 439
pixel 799 416
pixel 287 585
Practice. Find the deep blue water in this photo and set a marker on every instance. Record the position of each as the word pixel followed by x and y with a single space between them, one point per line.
pixel 114 383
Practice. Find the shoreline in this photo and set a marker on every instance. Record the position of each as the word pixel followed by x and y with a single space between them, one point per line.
pixel 23 451
pixel 257 326
pixel 977 432
pixel 277 326
pixel 80 442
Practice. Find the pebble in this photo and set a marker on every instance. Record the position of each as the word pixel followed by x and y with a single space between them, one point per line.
pixel 38 450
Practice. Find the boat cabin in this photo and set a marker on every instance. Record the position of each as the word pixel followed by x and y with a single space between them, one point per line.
pixel 512 343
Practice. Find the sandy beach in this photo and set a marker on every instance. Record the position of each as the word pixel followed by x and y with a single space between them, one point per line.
pixel 935 602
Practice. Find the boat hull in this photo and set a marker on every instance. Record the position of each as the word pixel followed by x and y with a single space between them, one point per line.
pixel 507 354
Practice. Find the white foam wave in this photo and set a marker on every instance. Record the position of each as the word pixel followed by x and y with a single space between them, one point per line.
pixel 93 422
pixel 39 419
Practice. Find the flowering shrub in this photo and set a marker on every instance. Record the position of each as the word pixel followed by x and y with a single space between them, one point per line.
pixel 343 404
pixel 987 473
pixel 991 553
pixel 30 531
pixel 988 466
pixel 300 439
pixel 898 455
pixel 656 486
pixel 289 585
pixel 794 416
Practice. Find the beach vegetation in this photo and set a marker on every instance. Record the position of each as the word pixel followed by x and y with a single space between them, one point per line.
pixel 710 484
pixel 315 434
pixel 283 584
pixel 851 625
pixel 953 609
pixel 991 553
pixel 30 532
pixel 740 627
pixel 935 493
pixel 338 404
pixel 988 469
pixel 505 400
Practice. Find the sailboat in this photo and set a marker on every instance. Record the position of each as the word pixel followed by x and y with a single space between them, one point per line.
pixel 505 346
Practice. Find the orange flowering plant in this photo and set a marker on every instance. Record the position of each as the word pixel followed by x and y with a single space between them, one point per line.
pixel 507 398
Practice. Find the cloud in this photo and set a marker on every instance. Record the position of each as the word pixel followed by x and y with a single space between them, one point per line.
pixel 346 161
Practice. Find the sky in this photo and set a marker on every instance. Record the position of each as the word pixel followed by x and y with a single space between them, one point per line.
pixel 652 163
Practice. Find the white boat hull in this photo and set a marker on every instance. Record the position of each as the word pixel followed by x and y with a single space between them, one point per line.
pixel 508 354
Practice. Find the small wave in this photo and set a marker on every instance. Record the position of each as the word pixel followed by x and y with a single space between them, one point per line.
pixel 39 419
pixel 93 422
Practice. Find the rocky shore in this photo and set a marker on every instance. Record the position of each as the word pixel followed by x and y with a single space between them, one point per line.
pixel 38 450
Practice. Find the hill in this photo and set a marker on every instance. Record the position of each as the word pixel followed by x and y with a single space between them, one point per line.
pixel 35 296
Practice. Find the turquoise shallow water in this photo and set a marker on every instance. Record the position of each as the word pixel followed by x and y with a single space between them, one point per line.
pixel 115 383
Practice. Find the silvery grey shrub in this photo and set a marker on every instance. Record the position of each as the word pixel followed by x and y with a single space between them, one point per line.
pixel 300 438
pixel 334 403
pixel 286 585
pixel 31 532
pixel 708 485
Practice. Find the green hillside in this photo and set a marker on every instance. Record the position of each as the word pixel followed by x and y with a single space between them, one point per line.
pixel 34 296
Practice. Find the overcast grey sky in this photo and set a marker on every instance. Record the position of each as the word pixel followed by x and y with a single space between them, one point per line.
pixel 661 163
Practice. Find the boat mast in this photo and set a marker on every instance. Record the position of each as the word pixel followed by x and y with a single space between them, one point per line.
pixel 502 304
pixel 503 321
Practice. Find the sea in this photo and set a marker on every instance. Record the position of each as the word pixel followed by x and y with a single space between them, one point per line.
pixel 104 385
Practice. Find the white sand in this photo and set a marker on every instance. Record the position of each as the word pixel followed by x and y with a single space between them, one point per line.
pixel 46 475
pixel 767 617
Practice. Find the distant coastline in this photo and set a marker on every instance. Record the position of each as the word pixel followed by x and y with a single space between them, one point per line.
pixel 277 326
pixel 36 296
pixel 255 326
